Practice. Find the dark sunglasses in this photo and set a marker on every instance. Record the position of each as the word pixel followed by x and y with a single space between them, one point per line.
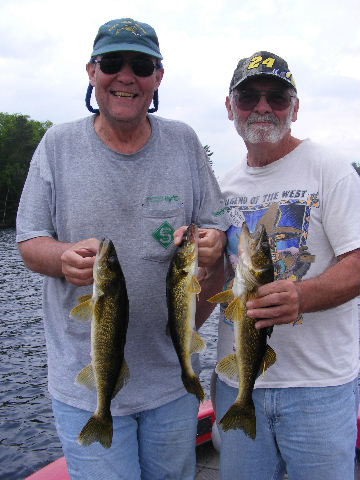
pixel 249 98
pixel 142 67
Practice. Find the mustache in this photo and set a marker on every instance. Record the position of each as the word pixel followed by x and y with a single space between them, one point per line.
pixel 267 117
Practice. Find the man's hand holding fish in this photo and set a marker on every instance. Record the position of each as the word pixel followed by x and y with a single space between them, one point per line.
pixel 77 262
pixel 276 303
pixel 211 245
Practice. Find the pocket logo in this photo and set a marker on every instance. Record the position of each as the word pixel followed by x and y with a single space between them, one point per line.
pixel 164 234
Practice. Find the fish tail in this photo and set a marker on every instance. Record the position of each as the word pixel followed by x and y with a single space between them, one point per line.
pixel 98 429
pixel 240 417
pixel 193 385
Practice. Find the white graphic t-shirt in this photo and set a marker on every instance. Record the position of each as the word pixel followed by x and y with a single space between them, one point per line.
pixel 309 203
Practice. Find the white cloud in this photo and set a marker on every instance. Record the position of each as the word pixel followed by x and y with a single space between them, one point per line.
pixel 46 44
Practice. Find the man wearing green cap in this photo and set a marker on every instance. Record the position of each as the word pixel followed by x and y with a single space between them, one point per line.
pixel 302 414
pixel 133 178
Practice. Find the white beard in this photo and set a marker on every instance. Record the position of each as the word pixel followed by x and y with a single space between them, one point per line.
pixel 272 132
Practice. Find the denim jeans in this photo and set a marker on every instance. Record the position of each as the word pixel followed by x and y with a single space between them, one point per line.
pixel 156 444
pixel 308 432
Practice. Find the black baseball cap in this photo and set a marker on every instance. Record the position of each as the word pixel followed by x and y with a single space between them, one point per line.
pixel 259 64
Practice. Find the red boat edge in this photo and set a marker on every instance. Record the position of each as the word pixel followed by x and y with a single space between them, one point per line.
pixel 206 418
pixel 57 470
pixel 54 471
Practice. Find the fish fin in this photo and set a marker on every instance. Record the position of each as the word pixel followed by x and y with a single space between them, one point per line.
pixel 236 309
pixel 226 296
pixel 228 367
pixel 194 286
pixel 83 311
pixel 99 292
pixel 238 417
pixel 84 298
pixel 97 429
pixel 86 377
pixel 269 331
pixel 193 385
pixel 198 344
pixel 123 378
pixel 269 359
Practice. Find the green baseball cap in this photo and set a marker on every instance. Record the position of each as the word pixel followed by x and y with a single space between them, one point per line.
pixel 261 64
pixel 126 34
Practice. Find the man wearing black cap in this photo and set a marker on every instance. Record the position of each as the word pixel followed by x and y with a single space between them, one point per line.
pixel 134 178
pixel 307 198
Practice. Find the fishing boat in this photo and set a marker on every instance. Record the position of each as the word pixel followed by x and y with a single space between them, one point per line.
pixel 57 470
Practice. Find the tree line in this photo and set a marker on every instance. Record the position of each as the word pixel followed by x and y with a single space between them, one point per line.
pixel 19 137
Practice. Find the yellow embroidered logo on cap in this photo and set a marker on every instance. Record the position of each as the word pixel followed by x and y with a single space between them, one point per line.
pixel 130 26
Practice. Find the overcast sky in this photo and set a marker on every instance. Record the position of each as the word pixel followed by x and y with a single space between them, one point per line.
pixel 45 45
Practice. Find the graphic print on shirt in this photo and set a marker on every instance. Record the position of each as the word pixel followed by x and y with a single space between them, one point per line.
pixel 164 205
pixel 164 234
pixel 286 223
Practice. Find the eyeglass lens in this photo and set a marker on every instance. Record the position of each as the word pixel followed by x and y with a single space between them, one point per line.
pixel 142 67
pixel 277 99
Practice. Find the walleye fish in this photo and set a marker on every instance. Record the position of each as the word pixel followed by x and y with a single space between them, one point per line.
pixel 182 286
pixel 108 310
pixel 252 354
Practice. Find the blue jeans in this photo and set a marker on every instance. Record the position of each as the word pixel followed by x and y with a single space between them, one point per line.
pixel 156 444
pixel 308 432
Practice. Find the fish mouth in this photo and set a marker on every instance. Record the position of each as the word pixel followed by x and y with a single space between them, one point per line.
pixel 243 247
pixel 192 233
pixel 120 94
pixel 104 247
pixel 106 259
pixel 104 243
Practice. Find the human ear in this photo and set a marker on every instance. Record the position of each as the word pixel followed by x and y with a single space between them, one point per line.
pixel 229 108
pixel 295 112
pixel 90 68
pixel 158 75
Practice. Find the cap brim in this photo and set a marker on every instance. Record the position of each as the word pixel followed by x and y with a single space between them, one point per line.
pixel 258 75
pixel 130 47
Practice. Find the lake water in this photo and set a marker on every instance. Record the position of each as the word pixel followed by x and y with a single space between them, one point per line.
pixel 28 438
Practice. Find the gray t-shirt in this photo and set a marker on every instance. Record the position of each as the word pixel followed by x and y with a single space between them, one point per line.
pixel 77 188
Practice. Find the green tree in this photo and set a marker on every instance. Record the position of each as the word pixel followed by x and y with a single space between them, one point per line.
pixel 19 137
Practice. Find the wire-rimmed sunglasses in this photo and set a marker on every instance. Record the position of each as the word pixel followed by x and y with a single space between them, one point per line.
pixel 141 66
pixel 248 98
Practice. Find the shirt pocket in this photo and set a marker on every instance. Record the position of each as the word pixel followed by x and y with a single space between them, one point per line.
pixel 157 230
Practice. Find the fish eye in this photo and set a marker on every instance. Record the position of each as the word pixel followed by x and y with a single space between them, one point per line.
pixel 112 260
pixel 265 246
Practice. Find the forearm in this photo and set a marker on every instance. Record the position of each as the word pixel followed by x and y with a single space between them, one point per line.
pixel 43 255
pixel 337 285
pixel 211 284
